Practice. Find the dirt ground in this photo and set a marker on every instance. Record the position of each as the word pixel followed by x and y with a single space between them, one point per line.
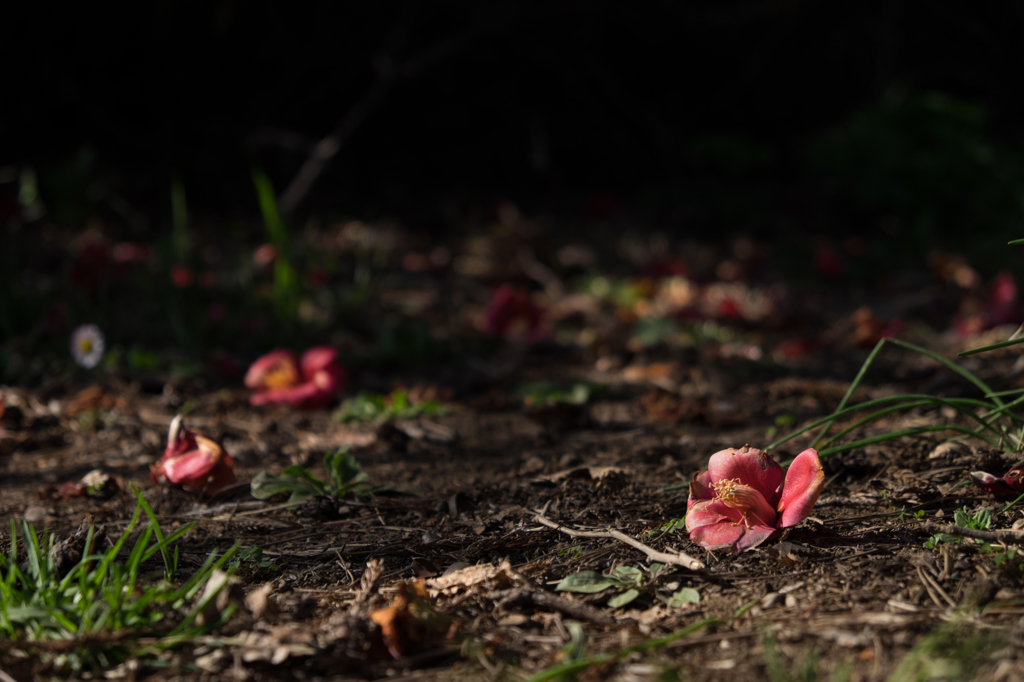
pixel 851 593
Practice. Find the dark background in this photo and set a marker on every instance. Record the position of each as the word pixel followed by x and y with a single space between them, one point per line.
pixel 742 116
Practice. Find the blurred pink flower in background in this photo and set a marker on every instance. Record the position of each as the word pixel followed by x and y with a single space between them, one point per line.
pixel 1001 307
pixel 181 276
pixel 312 382
pixel 128 252
pixel 513 313
pixel 264 255
pixel 744 497
pixel 828 263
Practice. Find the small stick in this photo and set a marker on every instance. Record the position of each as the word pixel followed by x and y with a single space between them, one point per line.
pixel 546 600
pixel 678 559
pixel 987 535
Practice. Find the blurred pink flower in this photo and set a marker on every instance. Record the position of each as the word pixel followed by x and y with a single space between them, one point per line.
pixel 744 497
pixel 194 462
pixel 1010 484
pixel 216 312
pixel 127 252
pixel 264 255
pixel 828 263
pixel 1002 307
pixel 312 382
pixel 91 266
pixel 181 276
pixel 511 312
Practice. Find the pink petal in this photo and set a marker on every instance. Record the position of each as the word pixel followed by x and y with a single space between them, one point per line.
pixel 276 369
pixel 1000 487
pixel 804 481
pixel 205 469
pixel 751 466
pixel 1015 478
pixel 710 512
pixel 330 379
pixel 753 537
pixel 179 439
pixel 316 359
pixel 700 488
pixel 188 468
pixel 718 535
pixel 296 395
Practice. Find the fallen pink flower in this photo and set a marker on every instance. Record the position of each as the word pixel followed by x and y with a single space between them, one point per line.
pixel 744 497
pixel 194 462
pixel 1010 484
pixel 312 382
pixel 512 312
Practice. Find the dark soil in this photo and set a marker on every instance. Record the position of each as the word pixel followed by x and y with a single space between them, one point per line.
pixel 849 593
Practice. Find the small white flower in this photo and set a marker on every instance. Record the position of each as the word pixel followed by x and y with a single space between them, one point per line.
pixel 87 345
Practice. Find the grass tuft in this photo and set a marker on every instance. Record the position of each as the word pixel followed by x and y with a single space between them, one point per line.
pixel 107 600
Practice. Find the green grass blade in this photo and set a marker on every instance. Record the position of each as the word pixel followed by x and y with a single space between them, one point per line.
pixel 111 554
pixel 859 407
pixel 898 434
pixel 568 668
pixel 36 563
pixel 1012 504
pixel 853 386
pixel 156 530
pixel 907 406
pixel 994 346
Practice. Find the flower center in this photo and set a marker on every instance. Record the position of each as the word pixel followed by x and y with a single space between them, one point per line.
pixel 282 376
pixel 742 498
pixel 85 345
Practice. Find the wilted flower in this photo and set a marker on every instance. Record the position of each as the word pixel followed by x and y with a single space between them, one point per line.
pixel 1010 484
pixel 312 382
pixel 744 497
pixel 87 345
pixel 512 310
pixel 195 463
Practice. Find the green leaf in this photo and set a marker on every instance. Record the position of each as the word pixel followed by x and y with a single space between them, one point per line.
pixel 265 485
pixel 686 595
pixel 342 467
pixel 587 582
pixel 300 472
pixel 626 597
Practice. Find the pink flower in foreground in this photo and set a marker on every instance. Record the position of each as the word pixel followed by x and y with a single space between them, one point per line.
pixel 512 312
pixel 1010 484
pixel 312 382
pixel 195 463
pixel 744 497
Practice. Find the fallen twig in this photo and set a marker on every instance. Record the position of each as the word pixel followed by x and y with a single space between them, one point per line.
pixel 677 559
pixel 987 535
pixel 546 600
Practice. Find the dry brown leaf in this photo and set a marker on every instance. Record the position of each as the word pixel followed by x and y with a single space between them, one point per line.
pixel 411 621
